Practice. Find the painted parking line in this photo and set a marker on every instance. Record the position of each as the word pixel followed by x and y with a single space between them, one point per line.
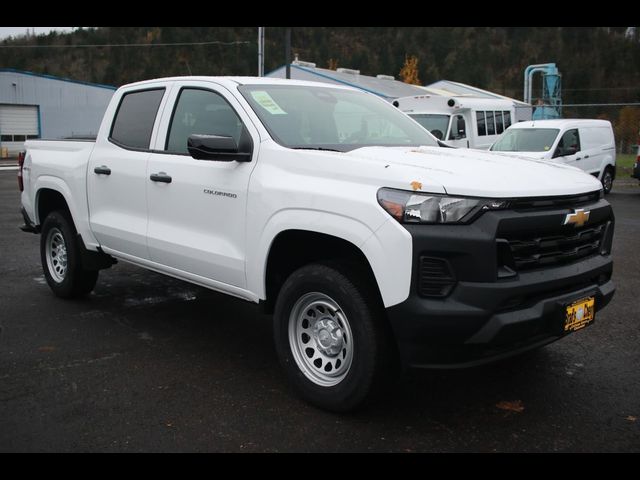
pixel 9 167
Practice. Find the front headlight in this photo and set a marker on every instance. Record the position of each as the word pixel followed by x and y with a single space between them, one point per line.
pixel 411 207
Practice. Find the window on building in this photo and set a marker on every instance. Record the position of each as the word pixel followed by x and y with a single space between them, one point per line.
pixel 33 137
pixel 201 112
pixel 491 126
pixel 499 123
pixel 6 138
pixel 19 138
pixel 135 117
pixel 482 125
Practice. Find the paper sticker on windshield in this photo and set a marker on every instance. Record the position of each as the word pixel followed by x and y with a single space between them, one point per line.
pixel 547 147
pixel 268 103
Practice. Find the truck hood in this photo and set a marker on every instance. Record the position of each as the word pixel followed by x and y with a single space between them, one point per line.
pixel 476 173
pixel 534 155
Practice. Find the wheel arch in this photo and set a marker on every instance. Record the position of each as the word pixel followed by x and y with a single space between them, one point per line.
pixel 294 248
pixel 52 194
pixel 386 250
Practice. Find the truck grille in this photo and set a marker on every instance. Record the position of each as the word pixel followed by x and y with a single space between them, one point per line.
pixel 570 201
pixel 554 249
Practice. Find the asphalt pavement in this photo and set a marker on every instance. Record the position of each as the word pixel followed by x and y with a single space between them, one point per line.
pixel 149 363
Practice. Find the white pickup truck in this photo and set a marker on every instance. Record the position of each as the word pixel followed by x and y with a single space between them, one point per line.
pixel 373 246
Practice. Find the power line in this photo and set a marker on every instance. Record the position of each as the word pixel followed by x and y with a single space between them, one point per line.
pixel 603 88
pixel 180 44
pixel 628 104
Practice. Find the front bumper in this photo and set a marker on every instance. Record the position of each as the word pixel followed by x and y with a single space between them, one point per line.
pixel 487 317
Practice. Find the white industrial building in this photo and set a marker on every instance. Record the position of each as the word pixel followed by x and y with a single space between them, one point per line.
pixel 34 105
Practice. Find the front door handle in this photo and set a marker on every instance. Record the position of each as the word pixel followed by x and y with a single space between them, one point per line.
pixel 102 170
pixel 586 156
pixel 161 177
pixel 579 158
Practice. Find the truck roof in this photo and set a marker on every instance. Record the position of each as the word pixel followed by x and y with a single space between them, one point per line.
pixel 233 81
pixel 562 123
pixel 450 104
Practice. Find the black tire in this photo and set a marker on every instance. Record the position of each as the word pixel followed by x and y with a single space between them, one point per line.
pixel 74 281
pixel 607 180
pixel 372 358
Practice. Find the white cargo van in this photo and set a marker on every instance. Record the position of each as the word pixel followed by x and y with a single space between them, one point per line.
pixel 586 144
pixel 460 121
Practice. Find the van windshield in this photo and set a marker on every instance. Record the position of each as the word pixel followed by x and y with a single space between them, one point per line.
pixel 526 140
pixel 321 118
pixel 436 124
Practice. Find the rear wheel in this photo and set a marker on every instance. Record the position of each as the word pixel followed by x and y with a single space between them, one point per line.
pixel 331 338
pixel 607 179
pixel 61 260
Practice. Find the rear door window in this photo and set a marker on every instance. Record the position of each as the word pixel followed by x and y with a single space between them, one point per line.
pixel 134 120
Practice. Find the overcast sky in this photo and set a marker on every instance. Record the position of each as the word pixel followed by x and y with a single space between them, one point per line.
pixel 13 31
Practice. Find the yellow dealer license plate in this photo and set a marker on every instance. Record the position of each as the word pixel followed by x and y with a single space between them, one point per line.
pixel 579 314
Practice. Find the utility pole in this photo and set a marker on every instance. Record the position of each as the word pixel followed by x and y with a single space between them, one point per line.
pixel 287 50
pixel 261 51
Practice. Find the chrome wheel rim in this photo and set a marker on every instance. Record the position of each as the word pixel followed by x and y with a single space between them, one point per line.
pixel 56 252
pixel 607 181
pixel 320 339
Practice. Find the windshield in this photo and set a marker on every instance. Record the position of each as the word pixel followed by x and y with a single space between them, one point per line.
pixel 526 140
pixel 436 124
pixel 330 118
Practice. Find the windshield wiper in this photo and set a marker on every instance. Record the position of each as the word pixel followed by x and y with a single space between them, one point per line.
pixel 318 148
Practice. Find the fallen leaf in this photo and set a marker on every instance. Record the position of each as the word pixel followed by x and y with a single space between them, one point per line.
pixel 416 186
pixel 631 418
pixel 47 348
pixel 514 406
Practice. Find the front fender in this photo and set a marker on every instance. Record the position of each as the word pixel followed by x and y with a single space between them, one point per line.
pixel 387 247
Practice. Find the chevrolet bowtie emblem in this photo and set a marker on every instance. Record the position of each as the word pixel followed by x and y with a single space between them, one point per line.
pixel 577 219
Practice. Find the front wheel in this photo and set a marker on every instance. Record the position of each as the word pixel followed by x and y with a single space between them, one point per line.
pixel 330 336
pixel 61 260
pixel 607 179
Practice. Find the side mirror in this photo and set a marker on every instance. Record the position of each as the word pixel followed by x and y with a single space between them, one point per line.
pixel 570 151
pixel 565 152
pixel 220 148
pixel 462 127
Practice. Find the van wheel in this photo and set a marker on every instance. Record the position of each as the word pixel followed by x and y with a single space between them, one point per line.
pixel 330 336
pixel 607 179
pixel 61 261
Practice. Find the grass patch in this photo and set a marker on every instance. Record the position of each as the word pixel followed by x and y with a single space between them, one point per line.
pixel 625 161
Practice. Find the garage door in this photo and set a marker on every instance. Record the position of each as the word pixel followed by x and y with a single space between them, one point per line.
pixel 17 124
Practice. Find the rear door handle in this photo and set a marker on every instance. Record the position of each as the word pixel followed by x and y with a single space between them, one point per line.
pixel 102 170
pixel 161 177
pixel 579 158
pixel 586 156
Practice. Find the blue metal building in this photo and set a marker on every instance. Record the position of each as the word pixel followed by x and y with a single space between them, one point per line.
pixel 43 106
